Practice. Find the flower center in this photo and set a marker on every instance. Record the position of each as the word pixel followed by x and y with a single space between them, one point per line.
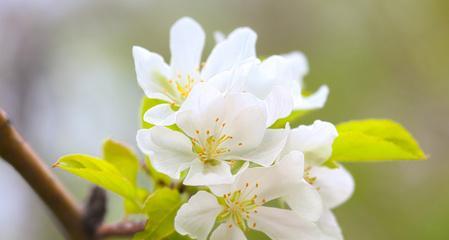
pixel 209 144
pixel 239 205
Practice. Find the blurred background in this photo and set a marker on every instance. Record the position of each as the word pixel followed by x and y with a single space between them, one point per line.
pixel 67 81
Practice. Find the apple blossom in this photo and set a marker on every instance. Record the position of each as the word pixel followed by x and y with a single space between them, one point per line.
pixel 173 83
pixel 217 129
pixel 239 206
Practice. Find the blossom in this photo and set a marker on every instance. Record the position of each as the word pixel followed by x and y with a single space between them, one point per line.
pixel 240 206
pixel 335 186
pixel 217 129
pixel 291 68
pixel 173 82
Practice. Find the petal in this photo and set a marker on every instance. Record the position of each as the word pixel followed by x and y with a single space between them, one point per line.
pixel 240 45
pixel 305 201
pixel 299 64
pixel 329 227
pixel 283 224
pixel 160 115
pixel 234 80
pixel 269 149
pixel 170 151
pixel 279 104
pixel 197 217
pixel 315 141
pixel 273 182
pixel 186 45
pixel 201 174
pixel 219 37
pixel 314 101
pixel 152 73
pixel 224 232
pixel 335 185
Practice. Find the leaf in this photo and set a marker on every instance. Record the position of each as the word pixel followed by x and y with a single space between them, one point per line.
pixel 294 119
pixel 136 207
pixel 159 179
pixel 100 172
pixel 161 208
pixel 123 158
pixel 145 105
pixel 374 140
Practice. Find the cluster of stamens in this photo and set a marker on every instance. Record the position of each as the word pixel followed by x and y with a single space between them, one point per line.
pixel 209 147
pixel 308 176
pixel 238 207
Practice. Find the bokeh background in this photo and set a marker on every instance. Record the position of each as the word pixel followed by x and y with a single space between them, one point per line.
pixel 67 81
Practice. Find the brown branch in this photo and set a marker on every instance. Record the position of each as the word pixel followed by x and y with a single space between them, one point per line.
pixel 121 229
pixel 17 153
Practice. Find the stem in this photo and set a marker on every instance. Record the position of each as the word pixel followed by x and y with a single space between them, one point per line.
pixel 121 229
pixel 26 162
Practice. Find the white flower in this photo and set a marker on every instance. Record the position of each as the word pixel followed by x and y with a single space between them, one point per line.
pixel 290 74
pixel 219 128
pixel 240 206
pixel 335 186
pixel 267 80
pixel 174 82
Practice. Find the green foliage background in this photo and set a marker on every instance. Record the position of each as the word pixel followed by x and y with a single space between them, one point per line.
pixel 72 85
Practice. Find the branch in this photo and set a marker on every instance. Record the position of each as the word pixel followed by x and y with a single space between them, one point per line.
pixel 26 162
pixel 121 229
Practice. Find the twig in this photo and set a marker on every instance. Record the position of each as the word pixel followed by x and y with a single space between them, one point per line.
pixel 121 229
pixel 17 153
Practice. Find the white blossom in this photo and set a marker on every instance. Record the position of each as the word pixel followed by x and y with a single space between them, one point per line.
pixel 173 82
pixel 217 129
pixel 240 206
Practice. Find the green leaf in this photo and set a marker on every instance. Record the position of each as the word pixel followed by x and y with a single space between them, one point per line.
pixel 161 208
pixel 294 119
pixel 374 140
pixel 100 172
pixel 136 207
pixel 159 179
pixel 123 158
pixel 145 105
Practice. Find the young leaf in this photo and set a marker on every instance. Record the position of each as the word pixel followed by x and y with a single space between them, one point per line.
pixel 374 140
pixel 160 207
pixel 122 158
pixel 99 172
pixel 294 119
pixel 159 179
pixel 145 105
pixel 135 207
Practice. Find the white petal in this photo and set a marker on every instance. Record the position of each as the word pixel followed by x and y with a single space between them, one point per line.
pixel 305 201
pixel 201 174
pixel 314 101
pixel 282 224
pixel 299 64
pixel 224 232
pixel 279 104
pixel 197 217
pixel 160 115
pixel 170 151
pixel 329 227
pixel 335 185
pixel 152 73
pixel 273 182
pixel 235 79
pixel 240 45
pixel 186 45
pixel 219 37
pixel 269 149
pixel 315 141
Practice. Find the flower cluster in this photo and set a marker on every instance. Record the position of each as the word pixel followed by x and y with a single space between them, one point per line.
pixel 251 176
